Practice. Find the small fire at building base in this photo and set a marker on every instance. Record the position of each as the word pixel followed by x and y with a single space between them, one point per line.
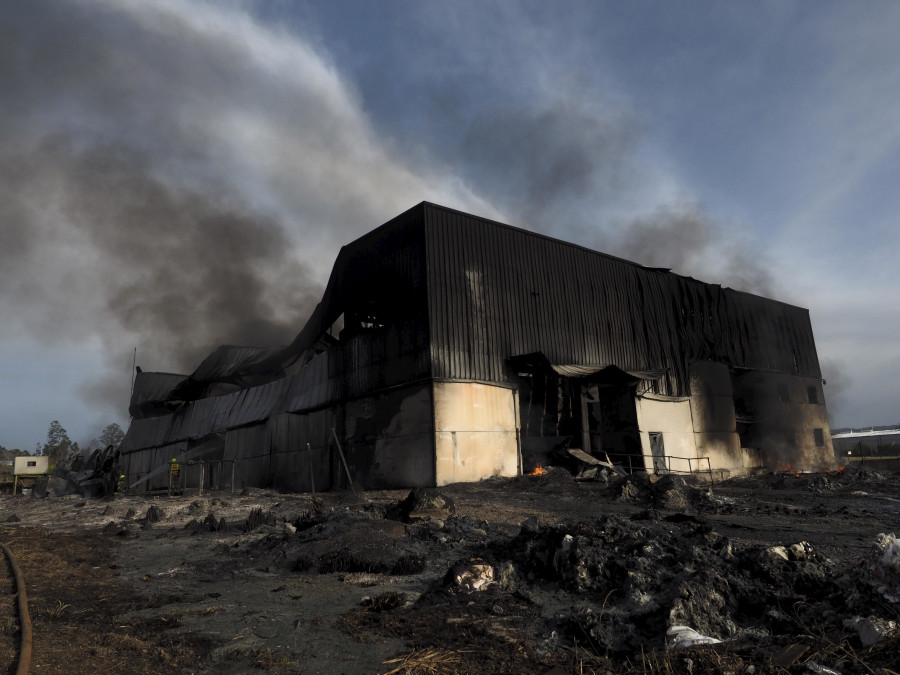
pixel 450 348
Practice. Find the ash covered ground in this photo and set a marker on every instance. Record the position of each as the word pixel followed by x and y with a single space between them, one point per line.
pixel 538 574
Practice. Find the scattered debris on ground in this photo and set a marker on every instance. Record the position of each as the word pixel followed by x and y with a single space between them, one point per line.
pixel 551 573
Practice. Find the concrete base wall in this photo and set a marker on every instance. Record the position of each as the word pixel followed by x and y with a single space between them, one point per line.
pixel 672 418
pixel 712 408
pixel 789 421
pixel 389 438
pixel 702 426
pixel 474 432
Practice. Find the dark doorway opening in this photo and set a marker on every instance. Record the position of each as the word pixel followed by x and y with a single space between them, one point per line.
pixel 585 407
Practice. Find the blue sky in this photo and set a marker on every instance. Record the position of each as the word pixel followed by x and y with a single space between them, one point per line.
pixel 175 175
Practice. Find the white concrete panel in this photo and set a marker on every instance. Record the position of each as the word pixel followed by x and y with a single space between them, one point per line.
pixel 475 432
pixel 673 419
pixel 31 464
pixel 468 456
pixel 469 406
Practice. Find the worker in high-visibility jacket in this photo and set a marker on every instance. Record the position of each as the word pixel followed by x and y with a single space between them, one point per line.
pixel 174 476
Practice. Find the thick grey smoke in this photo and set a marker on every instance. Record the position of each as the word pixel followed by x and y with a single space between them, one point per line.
pixel 171 271
pixel 175 175
pixel 537 159
pixel 571 168
pixel 685 239
pixel 837 383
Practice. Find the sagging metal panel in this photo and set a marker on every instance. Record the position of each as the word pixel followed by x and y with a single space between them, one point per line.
pixel 258 403
pixel 314 385
pixel 302 457
pixel 150 393
pixel 378 286
pixel 203 415
pixel 249 448
pixel 180 427
pixel 146 433
pixel 229 367
pixel 221 411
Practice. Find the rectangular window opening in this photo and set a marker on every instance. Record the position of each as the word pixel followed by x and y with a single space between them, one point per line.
pixel 819 435
pixel 813 394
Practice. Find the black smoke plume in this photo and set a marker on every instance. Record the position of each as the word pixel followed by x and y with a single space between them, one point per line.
pixel 138 262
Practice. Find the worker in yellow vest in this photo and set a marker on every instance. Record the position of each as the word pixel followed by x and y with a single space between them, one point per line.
pixel 174 477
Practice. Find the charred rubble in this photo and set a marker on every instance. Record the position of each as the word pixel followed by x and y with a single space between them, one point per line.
pixel 649 572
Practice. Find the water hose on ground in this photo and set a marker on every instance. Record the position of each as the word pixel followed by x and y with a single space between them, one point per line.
pixel 24 616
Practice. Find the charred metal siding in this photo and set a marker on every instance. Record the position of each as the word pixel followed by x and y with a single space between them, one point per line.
pixel 495 291
pixel 387 266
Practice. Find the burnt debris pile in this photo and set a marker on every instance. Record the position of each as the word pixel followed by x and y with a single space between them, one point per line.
pixel 668 492
pixel 656 578
pixel 634 578
pixel 776 571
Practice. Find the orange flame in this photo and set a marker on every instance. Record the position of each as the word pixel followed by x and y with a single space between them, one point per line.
pixel 787 468
pixel 538 471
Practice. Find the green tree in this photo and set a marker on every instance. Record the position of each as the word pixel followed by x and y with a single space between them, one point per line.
pixel 10 453
pixel 58 446
pixel 111 435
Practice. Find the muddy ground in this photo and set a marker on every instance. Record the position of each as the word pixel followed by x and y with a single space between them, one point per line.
pixel 574 577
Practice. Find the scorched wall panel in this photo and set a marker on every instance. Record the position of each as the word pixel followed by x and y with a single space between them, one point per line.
pixel 495 291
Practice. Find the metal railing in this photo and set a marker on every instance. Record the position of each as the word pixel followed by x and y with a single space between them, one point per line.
pixel 695 464
pixel 205 467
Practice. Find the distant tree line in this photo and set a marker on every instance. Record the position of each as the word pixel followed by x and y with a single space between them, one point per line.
pixel 8 454
pixel 61 448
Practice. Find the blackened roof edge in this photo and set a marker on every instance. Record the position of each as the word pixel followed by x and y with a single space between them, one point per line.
pixel 547 237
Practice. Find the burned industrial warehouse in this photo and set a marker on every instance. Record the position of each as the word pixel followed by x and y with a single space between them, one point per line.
pixel 450 348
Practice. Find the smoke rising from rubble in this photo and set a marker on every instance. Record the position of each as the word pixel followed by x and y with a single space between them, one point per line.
pixel 837 382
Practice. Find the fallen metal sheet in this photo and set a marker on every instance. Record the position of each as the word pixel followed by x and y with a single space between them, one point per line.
pixel 582 456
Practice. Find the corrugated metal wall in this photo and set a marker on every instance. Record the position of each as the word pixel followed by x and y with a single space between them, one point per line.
pixel 249 448
pixel 386 266
pixel 294 466
pixel 454 296
pixel 496 291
